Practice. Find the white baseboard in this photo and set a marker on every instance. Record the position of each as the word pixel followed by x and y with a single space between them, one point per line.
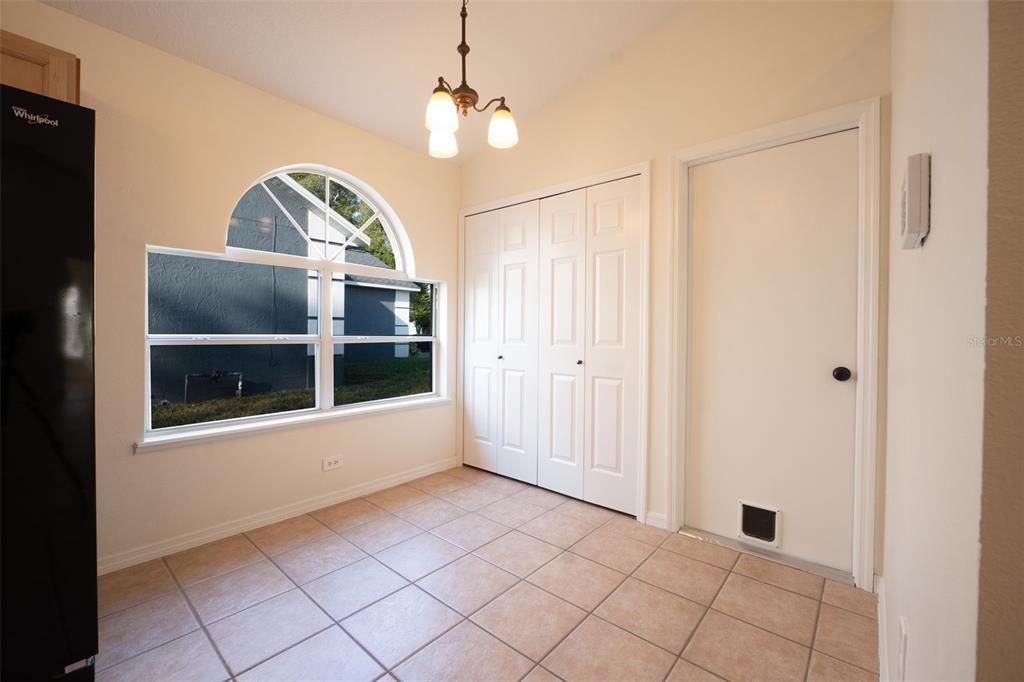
pixel 883 640
pixel 656 519
pixel 161 548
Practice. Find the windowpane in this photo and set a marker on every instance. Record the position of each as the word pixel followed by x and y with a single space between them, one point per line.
pixel 189 295
pixel 376 306
pixel 312 182
pixel 266 217
pixel 371 247
pixel 259 223
pixel 349 206
pixel 375 371
pixel 195 384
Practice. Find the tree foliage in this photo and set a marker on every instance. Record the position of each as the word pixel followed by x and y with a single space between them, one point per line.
pixel 421 309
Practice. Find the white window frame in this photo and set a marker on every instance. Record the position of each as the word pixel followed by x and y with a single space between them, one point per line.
pixel 323 341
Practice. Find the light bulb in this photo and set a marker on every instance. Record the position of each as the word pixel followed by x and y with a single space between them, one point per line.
pixel 443 145
pixel 442 116
pixel 502 132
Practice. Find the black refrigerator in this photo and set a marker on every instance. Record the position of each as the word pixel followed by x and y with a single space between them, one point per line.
pixel 48 456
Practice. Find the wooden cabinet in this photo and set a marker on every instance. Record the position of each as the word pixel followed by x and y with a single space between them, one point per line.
pixel 35 67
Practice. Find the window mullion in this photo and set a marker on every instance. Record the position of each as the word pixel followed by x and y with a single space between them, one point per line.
pixel 361 230
pixel 382 339
pixel 326 354
pixel 229 339
pixel 435 345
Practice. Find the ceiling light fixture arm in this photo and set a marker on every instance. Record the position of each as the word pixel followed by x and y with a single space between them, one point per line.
pixel 499 100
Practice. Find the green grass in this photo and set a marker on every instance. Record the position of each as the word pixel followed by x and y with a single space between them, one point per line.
pixel 365 380
pixel 378 378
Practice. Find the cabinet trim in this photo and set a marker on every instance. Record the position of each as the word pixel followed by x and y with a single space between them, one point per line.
pixel 61 68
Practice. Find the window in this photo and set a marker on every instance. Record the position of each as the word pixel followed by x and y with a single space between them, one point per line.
pixel 311 308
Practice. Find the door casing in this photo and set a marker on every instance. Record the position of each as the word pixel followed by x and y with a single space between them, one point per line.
pixel 863 116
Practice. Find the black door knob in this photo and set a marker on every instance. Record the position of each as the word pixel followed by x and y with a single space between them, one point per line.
pixel 841 374
pixel 501 357
pixel 579 362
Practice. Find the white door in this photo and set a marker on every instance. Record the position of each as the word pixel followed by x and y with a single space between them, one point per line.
pixel 614 299
pixel 480 365
pixel 773 311
pixel 562 297
pixel 517 342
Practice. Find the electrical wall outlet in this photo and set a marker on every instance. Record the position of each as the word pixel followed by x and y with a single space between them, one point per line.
pixel 901 671
pixel 332 462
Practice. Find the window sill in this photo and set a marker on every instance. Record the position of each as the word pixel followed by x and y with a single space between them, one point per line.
pixel 163 441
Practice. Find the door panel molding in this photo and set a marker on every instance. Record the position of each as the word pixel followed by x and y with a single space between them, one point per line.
pixel 863 116
pixel 479 392
pixel 561 306
pixel 518 343
pixel 615 358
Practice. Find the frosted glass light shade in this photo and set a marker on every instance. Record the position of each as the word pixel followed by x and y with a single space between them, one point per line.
pixel 443 145
pixel 442 116
pixel 502 132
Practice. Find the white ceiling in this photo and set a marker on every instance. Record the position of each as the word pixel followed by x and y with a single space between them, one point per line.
pixel 373 64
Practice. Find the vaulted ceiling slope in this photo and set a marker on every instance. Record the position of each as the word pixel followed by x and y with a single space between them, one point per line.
pixel 373 64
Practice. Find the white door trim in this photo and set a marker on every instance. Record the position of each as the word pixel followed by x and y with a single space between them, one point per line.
pixel 644 171
pixel 863 116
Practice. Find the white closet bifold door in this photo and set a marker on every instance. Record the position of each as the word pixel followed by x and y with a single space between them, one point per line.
pixel 517 342
pixel 562 304
pixel 553 341
pixel 480 333
pixel 612 373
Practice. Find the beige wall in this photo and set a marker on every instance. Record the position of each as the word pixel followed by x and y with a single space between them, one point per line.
pixel 176 146
pixel 1001 585
pixel 712 70
pixel 936 306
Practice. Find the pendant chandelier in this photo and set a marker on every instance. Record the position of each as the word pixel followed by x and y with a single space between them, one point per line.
pixel 446 103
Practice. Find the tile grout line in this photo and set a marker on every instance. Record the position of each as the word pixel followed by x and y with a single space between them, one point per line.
pixel 306 543
pixel 497 596
pixel 814 637
pixel 593 611
pixel 790 639
pixel 288 648
pixel 707 610
pixel 493 599
pixel 334 623
pixel 843 660
pixel 199 621
pixel 741 553
pixel 169 590
pixel 468 617
pixel 778 587
pixel 390 670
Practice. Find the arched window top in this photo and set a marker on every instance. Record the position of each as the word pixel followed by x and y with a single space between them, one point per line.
pixel 321 214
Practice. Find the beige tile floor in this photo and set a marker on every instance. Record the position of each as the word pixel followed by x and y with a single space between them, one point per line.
pixel 464 575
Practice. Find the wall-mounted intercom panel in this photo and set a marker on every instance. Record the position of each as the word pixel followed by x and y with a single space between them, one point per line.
pixel 916 220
